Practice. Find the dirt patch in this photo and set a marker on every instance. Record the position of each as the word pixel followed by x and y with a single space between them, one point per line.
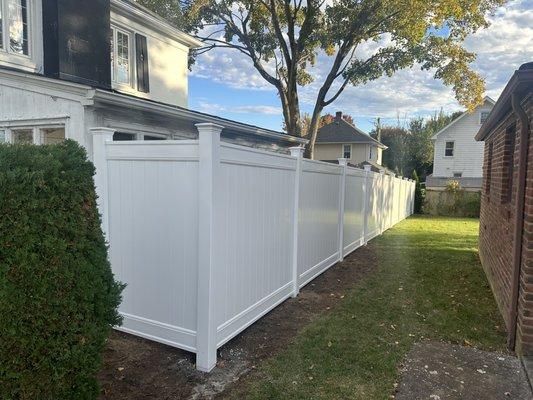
pixel 139 369
pixel 439 371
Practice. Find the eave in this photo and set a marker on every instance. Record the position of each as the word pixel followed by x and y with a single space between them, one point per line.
pixel 105 97
pixel 146 17
pixel 521 85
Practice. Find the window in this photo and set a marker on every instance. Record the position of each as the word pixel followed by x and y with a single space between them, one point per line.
pixel 121 136
pixel 120 57
pixel 347 151
pixel 52 135
pixel 152 137
pixel 14 35
pixel 371 151
pixel 449 149
pixel 33 135
pixel 22 136
pixel 483 115
pixel 129 59
pixel 457 174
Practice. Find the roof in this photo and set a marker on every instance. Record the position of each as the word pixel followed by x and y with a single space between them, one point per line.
pixel 149 18
pixel 340 131
pixel 519 86
pixel 89 95
pixel 114 97
pixel 486 99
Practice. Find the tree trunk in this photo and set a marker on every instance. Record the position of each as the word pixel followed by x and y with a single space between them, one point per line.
pixel 313 130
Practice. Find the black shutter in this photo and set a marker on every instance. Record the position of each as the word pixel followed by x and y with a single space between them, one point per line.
pixel 141 51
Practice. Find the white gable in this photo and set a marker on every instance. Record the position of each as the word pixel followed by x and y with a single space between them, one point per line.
pixel 467 158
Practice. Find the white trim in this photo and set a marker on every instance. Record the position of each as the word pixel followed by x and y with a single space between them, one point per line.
pixel 115 30
pixel 171 335
pixel 137 14
pixel 31 62
pixel 343 151
pixel 35 125
pixel 445 148
pixel 485 99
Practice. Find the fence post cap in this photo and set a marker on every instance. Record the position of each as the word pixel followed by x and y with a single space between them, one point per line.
pixel 297 151
pixel 209 127
pixel 102 131
pixel 342 161
pixel 367 168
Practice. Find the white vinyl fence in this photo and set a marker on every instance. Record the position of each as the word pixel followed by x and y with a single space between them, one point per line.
pixel 210 236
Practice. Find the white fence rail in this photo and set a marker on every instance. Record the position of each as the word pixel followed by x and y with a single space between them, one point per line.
pixel 210 236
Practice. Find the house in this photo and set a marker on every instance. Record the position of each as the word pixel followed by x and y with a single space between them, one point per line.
pixel 506 224
pixel 340 139
pixel 457 155
pixel 69 66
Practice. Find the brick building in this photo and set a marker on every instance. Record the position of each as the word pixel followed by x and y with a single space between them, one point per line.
pixel 506 224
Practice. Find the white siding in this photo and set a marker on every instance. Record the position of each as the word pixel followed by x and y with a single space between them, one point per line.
pixel 168 64
pixel 468 153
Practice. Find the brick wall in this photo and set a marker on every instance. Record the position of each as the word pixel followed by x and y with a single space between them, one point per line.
pixel 525 302
pixel 497 225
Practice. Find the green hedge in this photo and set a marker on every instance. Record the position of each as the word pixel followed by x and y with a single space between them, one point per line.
pixel 58 297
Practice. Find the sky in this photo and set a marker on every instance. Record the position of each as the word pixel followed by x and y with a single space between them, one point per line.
pixel 224 83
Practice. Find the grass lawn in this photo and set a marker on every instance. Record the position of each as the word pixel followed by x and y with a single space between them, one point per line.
pixel 429 286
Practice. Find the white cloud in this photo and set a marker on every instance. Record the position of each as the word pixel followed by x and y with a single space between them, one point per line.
pixel 501 49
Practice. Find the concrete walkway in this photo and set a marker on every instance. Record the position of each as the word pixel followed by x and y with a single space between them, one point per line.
pixel 440 371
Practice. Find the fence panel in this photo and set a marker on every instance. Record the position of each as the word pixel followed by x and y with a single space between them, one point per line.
pixel 255 236
pixel 153 229
pixel 354 208
pixel 318 226
pixel 210 236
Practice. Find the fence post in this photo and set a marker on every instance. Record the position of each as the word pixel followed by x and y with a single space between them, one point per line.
pixel 382 200
pixel 393 189
pixel 343 162
pixel 366 201
pixel 208 191
pixel 101 178
pixel 296 152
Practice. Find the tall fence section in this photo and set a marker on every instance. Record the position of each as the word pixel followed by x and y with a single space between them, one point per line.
pixel 210 236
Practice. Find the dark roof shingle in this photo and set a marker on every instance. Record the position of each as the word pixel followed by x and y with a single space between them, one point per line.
pixel 340 131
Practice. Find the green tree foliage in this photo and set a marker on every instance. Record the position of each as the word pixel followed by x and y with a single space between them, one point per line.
pixel 284 38
pixel 58 297
pixel 410 147
pixel 396 157
pixel 419 195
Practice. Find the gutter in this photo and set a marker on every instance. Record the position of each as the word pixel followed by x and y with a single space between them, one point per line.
pixel 519 218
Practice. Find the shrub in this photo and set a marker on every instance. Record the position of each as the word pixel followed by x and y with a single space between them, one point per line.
pixel 58 297
pixel 419 194
pixel 453 201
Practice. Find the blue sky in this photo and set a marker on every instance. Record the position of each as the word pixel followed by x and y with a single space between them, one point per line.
pixel 225 83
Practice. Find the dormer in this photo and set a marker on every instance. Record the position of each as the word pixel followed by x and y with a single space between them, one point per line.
pixel 149 57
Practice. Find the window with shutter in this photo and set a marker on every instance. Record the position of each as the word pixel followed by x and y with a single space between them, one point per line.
pixel 141 49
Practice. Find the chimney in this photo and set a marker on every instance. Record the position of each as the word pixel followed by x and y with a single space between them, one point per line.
pixel 338 116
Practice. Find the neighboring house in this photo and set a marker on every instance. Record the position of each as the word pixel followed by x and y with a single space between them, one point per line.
pixel 457 155
pixel 506 224
pixel 67 66
pixel 340 139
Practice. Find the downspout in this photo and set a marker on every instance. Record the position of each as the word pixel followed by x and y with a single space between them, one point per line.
pixel 519 218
